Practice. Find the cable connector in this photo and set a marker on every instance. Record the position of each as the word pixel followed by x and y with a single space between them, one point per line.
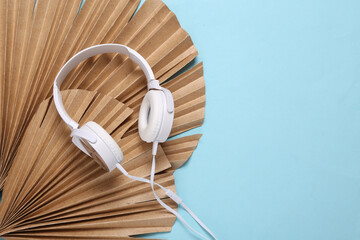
pixel 154 148
pixel 173 196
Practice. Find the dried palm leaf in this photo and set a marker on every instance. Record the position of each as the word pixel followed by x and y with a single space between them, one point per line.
pixel 55 190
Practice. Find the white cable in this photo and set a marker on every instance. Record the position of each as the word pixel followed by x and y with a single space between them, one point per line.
pixel 169 193
pixel 197 219
pixel 123 171
pixel 166 206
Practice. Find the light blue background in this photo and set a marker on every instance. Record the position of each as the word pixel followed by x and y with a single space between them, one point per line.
pixel 280 152
pixel 280 155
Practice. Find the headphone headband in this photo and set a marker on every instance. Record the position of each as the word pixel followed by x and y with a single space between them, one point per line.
pixel 90 52
pixel 156 118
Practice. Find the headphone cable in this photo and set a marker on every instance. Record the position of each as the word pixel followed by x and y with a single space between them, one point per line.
pixel 169 193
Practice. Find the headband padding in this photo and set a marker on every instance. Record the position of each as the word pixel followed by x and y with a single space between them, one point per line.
pixel 151 115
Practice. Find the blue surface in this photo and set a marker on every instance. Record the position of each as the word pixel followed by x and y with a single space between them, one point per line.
pixel 280 154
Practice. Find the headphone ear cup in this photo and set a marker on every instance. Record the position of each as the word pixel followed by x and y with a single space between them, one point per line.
pixel 151 115
pixel 105 151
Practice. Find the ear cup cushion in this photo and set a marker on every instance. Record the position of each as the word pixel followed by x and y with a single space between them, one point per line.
pixel 151 115
pixel 107 139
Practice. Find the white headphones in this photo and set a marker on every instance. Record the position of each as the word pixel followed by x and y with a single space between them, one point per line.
pixel 155 122
pixel 155 118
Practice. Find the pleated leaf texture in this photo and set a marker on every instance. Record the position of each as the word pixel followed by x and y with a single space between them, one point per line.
pixel 54 191
pixel 38 37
